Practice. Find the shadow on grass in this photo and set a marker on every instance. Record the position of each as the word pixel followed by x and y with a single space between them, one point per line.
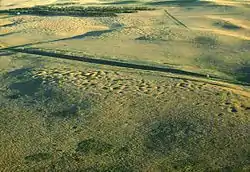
pixel 244 74
pixel 7 34
pixel 82 36
pixel 88 34
pixel 2 53
pixel 18 72
pixel 22 88
pixel 28 88
pixel 226 25
pixel 8 25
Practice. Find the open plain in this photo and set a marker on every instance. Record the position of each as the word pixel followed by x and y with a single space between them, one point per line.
pixel 124 85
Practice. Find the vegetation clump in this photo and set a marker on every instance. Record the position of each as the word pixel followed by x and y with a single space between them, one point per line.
pixel 93 146
pixel 107 11
pixel 38 157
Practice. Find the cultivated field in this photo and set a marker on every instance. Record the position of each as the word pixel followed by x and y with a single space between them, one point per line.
pixel 124 85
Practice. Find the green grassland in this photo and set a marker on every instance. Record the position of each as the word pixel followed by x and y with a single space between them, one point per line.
pixel 125 86
pixel 49 123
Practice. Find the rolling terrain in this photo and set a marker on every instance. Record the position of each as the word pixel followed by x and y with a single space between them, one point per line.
pixel 99 85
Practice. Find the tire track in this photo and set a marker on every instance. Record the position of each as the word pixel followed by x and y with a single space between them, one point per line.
pixel 176 21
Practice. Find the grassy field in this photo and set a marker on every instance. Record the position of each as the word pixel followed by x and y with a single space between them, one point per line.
pixel 113 86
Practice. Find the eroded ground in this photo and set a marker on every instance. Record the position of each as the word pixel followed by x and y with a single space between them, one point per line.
pixel 158 90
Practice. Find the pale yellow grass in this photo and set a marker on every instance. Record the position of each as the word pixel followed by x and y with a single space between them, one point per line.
pixel 66 26
pixel 225 33
pixel 241 23
pixel 236 89
pixel 46 28
pixel 243 33
pixel 234 3
pixel 24 3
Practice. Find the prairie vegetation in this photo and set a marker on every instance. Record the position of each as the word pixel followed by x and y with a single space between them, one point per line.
pixel 124 85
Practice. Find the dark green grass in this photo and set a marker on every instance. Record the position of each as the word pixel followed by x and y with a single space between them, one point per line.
pixel 81 11
pixel 23 89
pixel 58 128
pixel 234 65
pixel 187 143
pixel 38 157
pixel 166 135
pixel 205 41
pixel 93 146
